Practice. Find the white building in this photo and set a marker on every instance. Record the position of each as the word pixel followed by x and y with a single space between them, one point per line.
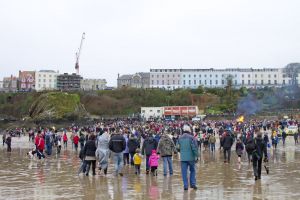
pixel 1 85
pixel 152 112
pixel 93 84
pixel 46 80
pixel 193 78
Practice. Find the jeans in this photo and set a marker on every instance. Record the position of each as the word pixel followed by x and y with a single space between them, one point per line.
pixel 147 163
pixel 228 150
pixel 49 149
pixel 184 173
pixel 167 160
pixel 212 147
pixel 118 161
pixel 131 158
pixel 88 165
pixel 126 158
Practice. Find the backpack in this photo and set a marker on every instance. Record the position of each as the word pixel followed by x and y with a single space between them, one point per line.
pixel 250 147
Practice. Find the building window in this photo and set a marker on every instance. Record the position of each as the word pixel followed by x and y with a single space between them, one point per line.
pixel 255 75
pixel 152 82
pixel 210 82
pixel 255 82
pixel 216 75
pixel 152 76
pixel 275 76
pixel 173 75
pixel 163 76
pixel 162 82
pixel 262 82
pixel 275 82
pixel 235 82
pixel 216 82
pixel 44 80
pixel 283 76
pixel 248 75
pixel 50 75
pixel 189 76
pixel 205 75
pixel 194 75
pixel 283 82
pixel 199 82
pixel 178 82
pixel 223 82
pixel 261 75
pixel 44 75
pixel 160 70
pixel 199 75
pixel 183 75
pixel 269 75
pixel 205 82
pixel 249 82
pixel 157 76
pixel 183 82
pixel 173 82
pixel 195 82
pixel 242 75
pixel 168 76
pixel 157 82
pixel 39 75
pixel 243 82
pixel 189 82
pixel 269 82
pixel 210 75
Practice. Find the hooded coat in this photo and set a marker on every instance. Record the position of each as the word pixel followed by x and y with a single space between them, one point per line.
pixel 166 146
pixel 102 152
pixel 148 145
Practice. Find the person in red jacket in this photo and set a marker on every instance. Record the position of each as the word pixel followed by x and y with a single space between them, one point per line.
pixel 75 141
pixel 65 139
pixel 40 147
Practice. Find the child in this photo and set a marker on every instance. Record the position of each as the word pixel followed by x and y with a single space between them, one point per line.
pixel 137 160
pixel 153 162
pixel 239 148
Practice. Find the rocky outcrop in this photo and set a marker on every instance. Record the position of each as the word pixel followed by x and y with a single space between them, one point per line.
pixel 55 106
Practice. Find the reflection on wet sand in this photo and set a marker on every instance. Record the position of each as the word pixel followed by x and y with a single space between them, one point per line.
pixel 56 178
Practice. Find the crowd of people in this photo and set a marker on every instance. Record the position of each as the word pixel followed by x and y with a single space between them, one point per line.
pixel 128 142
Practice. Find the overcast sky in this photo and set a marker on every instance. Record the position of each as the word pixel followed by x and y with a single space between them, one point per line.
pixel 127 36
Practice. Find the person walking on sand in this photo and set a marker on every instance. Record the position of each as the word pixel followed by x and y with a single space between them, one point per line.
pixel 89 154
pixel 153 162
pixel 65 139
pixel 4 137
pixel 239 148
pixel 259 152
pixel 188 148
pixel 165 149
pixel 8 143
pixel 102 152
pixel 117 145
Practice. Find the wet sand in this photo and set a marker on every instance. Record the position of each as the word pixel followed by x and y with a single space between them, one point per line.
pixel 56 177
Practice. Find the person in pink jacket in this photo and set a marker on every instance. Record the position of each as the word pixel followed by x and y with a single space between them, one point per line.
pixel 153 162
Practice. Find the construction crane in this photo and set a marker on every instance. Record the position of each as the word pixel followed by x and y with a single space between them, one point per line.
pixel 78 54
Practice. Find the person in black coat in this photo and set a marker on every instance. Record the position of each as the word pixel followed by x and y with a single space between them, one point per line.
pixel 132 146
pixel 89 153
pixel 148 145
pixel 259 152
pixel 227 144
pixel 117 145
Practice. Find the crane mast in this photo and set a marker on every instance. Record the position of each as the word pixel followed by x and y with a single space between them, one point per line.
pixel 78 54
